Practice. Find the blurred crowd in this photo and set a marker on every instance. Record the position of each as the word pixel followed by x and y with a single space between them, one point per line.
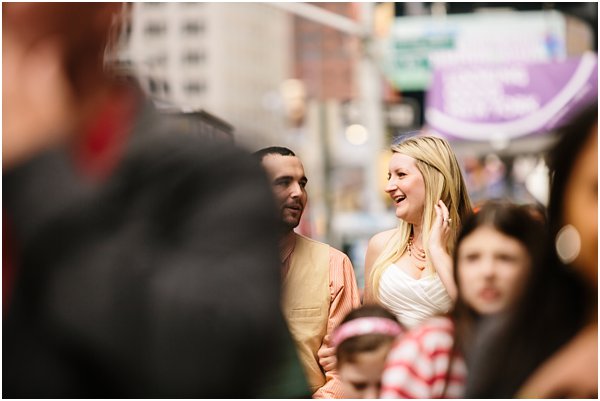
pixel 140 261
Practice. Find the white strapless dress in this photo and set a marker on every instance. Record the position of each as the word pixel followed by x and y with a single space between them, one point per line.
pixel 412 300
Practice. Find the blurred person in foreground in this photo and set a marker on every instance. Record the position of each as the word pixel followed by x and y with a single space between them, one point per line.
pixel 150 280
pixel 548 345
pixel 362 342
pixel 52 73
pixel 408 269
pixel 496 254
pixel 573 370
pixel 319 287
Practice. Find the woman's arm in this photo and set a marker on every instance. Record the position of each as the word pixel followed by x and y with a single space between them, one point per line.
pixel 438 239
pixel 374 249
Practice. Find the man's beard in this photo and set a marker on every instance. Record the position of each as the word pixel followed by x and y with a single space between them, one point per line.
pixel 288 225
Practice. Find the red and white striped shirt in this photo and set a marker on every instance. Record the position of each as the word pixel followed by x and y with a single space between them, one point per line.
pixel 417 366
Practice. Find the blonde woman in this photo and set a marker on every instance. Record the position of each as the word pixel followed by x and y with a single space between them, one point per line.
pixel 409 269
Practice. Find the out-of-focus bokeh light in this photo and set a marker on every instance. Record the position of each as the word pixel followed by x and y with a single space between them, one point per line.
pixel 356 134
pixel 568 244
pixel 499 141
pixel 293 92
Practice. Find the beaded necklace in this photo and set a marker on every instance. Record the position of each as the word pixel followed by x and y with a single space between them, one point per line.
pixel 417 254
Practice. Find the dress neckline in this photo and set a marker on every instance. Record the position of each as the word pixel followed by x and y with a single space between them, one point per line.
pixel 411 277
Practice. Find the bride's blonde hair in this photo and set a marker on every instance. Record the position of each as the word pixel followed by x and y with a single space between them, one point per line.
pixel 443 179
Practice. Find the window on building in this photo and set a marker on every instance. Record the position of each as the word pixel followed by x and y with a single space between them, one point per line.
pixel 152 86
pixel 193 27
pixel 159 60
pixel 127 32
pixel 155 29
pixel 194 87
pixel 193 57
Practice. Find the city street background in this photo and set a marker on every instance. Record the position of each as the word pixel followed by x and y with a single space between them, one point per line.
pixel 336 82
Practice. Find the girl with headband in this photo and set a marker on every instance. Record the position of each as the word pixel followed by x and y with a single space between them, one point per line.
pixel 362 342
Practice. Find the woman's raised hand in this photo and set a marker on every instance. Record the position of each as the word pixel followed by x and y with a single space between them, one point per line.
pixel 440 231
pixel 438 250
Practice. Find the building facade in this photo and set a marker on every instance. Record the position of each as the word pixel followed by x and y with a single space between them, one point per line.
pixel 226 58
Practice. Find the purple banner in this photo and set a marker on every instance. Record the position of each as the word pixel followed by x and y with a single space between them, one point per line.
pixel 510 100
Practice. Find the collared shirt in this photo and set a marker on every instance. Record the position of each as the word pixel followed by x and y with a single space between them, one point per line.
pixel 344 298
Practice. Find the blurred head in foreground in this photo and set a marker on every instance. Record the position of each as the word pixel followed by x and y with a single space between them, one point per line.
pixel 573 206
pixel 498 250
pixel 52 72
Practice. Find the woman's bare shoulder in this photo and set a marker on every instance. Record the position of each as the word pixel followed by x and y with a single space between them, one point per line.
pixel 379 240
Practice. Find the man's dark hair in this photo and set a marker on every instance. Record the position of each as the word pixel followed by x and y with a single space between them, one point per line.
pixel 272 150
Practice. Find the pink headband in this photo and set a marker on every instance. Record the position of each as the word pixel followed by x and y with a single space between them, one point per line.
pixel 365 325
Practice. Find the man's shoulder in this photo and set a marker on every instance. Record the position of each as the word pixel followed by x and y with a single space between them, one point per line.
pixel 333 252
pixel 336 254
pixel 310 241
